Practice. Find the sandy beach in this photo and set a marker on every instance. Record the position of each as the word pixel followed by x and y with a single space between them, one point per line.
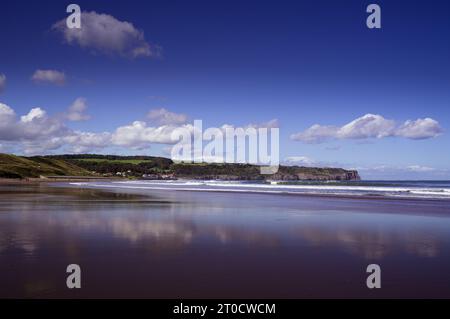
pixel 171 244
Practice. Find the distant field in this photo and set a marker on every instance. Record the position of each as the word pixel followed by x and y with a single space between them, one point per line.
pixel 122 161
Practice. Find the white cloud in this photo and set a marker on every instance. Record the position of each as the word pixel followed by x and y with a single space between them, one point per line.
pixel 2 82
pixel 138 135
pixel 40 126
pixel 273 123
pixel 42 146
pixel 49 77
pixel 77 109
pixel 103 33
pixel 36 113
pixel 36 132
pixel 370 126
pixel 86 141
pixel 420 129
pixel 316 134
pixel 418 168
pixel 35 125
pixel 367 126
pixel 408 172
pixel 299 161
pixel 311 162
pixel 164 117
pixel 6 111
pixel 7 118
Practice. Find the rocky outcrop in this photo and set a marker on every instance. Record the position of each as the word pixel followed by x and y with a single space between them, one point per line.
pixel 353 175
pixel 251 172
pixel 313 173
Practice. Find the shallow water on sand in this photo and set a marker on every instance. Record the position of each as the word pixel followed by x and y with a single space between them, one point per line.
pixel 181 244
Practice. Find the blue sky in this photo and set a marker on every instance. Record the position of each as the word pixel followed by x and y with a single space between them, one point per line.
pixel 240 62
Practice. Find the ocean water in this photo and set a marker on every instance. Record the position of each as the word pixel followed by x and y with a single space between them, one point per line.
pixel 148 239
pixel 393 189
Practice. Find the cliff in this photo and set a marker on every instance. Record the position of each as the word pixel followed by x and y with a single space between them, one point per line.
pixel 293 173
pixel 251 172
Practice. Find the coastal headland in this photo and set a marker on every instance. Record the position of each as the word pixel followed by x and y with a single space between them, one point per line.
pixel 92 166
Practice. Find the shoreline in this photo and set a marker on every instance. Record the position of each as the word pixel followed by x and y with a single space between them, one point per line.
pixel 61 181
pixel 366 204
pixel 37 180
pixel 125 189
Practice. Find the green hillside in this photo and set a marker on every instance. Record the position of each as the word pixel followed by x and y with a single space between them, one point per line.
pixel 12 166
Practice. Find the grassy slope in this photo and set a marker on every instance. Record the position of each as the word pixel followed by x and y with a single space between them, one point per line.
pixel 12 166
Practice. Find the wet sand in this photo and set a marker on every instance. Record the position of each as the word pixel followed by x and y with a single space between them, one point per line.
pixel 168 244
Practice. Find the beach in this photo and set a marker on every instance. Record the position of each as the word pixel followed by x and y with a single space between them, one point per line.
pixel 135 239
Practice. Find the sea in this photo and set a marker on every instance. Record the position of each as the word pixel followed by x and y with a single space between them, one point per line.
pixel 388 189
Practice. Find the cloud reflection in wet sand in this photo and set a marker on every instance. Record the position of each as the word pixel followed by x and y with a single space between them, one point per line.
pixel 373 244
